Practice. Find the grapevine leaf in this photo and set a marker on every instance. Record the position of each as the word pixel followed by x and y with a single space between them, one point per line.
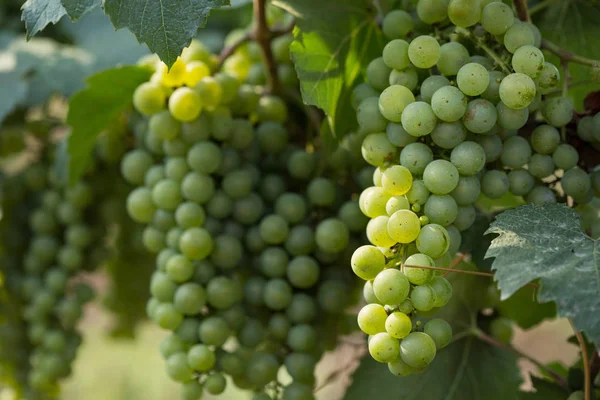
pixel 334 42
pixel 573 25
pixel 523 308
pixel 78 8
pixel 467 369
pixel 37 14
pixel 475 242
pixel 547 243
pixel 93 109
pixel 544 390
pixel 10 82
pixel 166 27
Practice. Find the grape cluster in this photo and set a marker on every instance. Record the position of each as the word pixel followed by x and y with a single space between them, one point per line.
pixel 468 110
pixel 250 267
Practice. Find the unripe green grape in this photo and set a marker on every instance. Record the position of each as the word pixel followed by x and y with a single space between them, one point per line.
pixel 367 262
pixel 415 157
pixel 492 146
pixel 464 13
pixel 432 11
pixel 480 117
pixel 520 182
pixel 393 100
pixel 369 116
pixel 492 92
pixel 565 156
pixel 448 135
pixel 497 18
pixel 509 118
pixel 541 195
pixel 205 157
pixel 418 119
pixel 371 319
pixel 271 108
pixel 449 104
pixel 373 200
pixel 576 182
pixel 194 72
pixel 518 35
pixel 483 61
pixel 395 54
pixel 433 240
pixel 501 329
pixel 431 84
pixel 404 226
pixel 517 91
pixel 397 180
pixel 424 51
pixel 440 331
pixel 301 367
pixel 397 24
pixel 494 184
pixel 361 92
pixel 516 152
pixel 377 232
pixel 396 203
pixel 586 128
pixel 302 338
pixel 391 286
pixel 149 98
pixel 384 348
pixel 441 210
pixel 440 177
pixel 472 79
pixel 418 193
pixel 303 272
pixel 406 77
pixel 545 139
pixel 548 78
pixel 541 166
pixel 400 368
pixel 467 190
pixel 465 217
pixel 468 158
pixel 398 325
pixel 140 206
pixel 376 149
pixel 453 56
pixel 422 298
pixel 272 137
pixel 418 276
pixel 184 104
pixel 558 111
pixel 398 136
pixel 378 74
pixel 294 391
pixel 528 60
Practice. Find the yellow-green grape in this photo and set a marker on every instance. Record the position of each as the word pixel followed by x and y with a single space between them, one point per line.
pixel 398 325
pixel 373 200
pixel 209 92
pixel 194 72
pixel 184 104
pixel 377 232
pixel 396 203
pixel 149 98
pixel 397 180
pixel 371 319
pixel 367 262
pixel 384 348
pixel 404 226
pixel 175 76
pixel 419 276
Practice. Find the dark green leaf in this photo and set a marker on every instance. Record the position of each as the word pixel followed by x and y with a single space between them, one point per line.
pixel 78 8
pixel 523 308
pixel 39 13
pixel 468 369
pixel 547 243
pixel 573 25
pixel 544 390
pixel 475 241
pixel 333 45
pixel 166 27
pixel 93 109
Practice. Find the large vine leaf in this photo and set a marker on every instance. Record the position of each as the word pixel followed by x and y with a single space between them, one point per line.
pixel 523 308
pixel 544 390
pixel 547 243
pixel 95 108
pixel 573 25
pixel 39 13
pixel 467 369
pixel 165 26
pixel 334 42
pixel 78 8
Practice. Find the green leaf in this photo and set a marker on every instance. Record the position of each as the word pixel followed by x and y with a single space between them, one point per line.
pixel 165 26
pixel 475 241
pixel 573 25
pixel 467 369
pixel 544 390
pixel 37 14
pixel 523 308
pixel 11 82
pixel 93 109
pixel 78 8
pixel 334 42
pixel 547 243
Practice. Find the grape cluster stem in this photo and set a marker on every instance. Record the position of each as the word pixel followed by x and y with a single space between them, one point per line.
pixel 479 43
pixel 522 10
pixel 567 56
pixel 585 361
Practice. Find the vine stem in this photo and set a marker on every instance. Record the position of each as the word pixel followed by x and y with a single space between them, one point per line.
pixel 585 361
pixel 490 340
pixel 263 36
pixel 522 10
pixel 484 47
pixel 567 56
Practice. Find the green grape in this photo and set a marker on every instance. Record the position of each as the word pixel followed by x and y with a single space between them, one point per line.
pixel 185 104
pixel 135 165
pixel 189 214
pixel 464 13
pixel 377 232
pixel 197 130
pixel 367 262
pixel 391 287
pixel 453 56
pixel 301 239
pixel 518 35
pixel 373 200
pixel 301 367
pixel 397 180
pixel 164 126
pixel 384 348
pixel 196 243
pixel 396 203
pixel 271 108
pixel 494 184
pixel 302 338
pixel 272 137
pixel 558 111
pixel 585 128
pixel 201 358
pixel 415 157
pixel 301 164
pixel 291 207
pixel 576 182
pixel 376 149
pixel 418 119
pixel 378 74
pixel 303 272
pixel 473 79
pixel 501 329
pixel 397 24
pixel 480 117
pixel 214 331
pixel 166 194
pixel 440 331
pixel 418 350
pixel 440 176
pixel 221 123
pixel 371 319
pixel 520 182
pixel 302 309
pixel 418 193
pixel 369 116
pixel 541 195
pixel 497 18
pixel 369 293
pixel 467 191
pixel 449 104
pixel 441 210
pixel 442 290
pixel 432 11
pixel 295 391
pixel 205 157
pixel 277 294
pixel 252 333
pixel 321 192
pixel 393 100
pixel 271 187
pixel 565 156
pixel 179 269
pixel 332 235
pixel 528 60
pixel 517 91
pixel 273 229
pixel 404 226
pixel 215 383
pixel 492 92
pixel 548 79
pixel 516 152
pixel 149 98
pixel 465 217
pixel 140 206
pixel 448 135
pixel 492 146
pixel 227 252
pixel 468 158
pixel 398 136
pixel 541 166
pixel 167 317
pixel 398 325
pixel 361 92
pixel 263 367
pixel 400 368
pixel 432 84
pixel 509 118
pixel 422 298
pixel 407 77
pixel 418 276
pixel 424 51
pixel 433 240
pixel 395 54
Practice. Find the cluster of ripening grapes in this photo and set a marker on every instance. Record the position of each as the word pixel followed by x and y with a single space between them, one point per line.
pixel 50 233
pixel 440 114
pixel 251 267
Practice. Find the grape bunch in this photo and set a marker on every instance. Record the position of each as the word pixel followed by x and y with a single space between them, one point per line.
pixel 251 253
pixel 461 104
